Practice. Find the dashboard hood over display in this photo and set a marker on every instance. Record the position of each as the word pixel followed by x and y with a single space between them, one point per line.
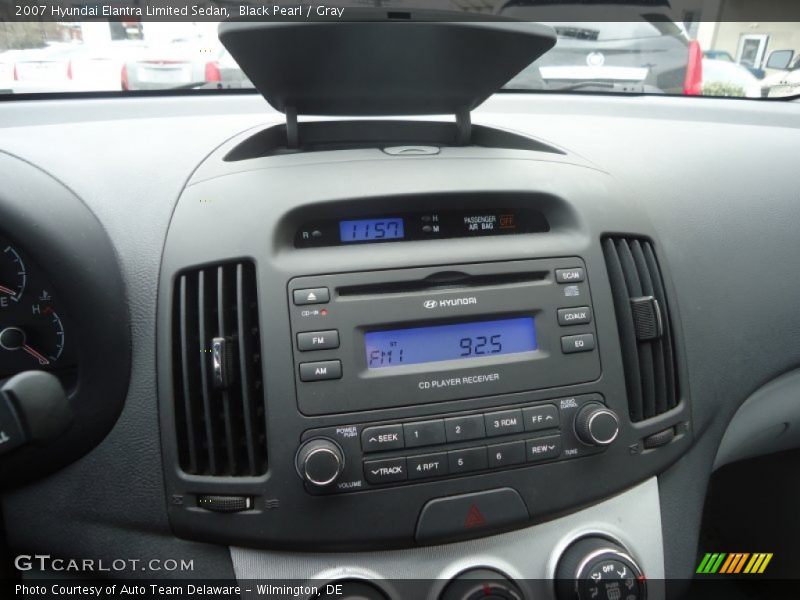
pixel 383 63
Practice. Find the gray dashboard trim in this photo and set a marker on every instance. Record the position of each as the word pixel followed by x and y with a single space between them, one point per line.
pixel 528 555
pixel 768 421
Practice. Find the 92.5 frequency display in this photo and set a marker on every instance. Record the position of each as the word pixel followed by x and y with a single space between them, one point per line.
pixel 418 345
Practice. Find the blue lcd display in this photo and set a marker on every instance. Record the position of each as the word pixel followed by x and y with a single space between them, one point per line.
pixel 368 230
pixel 418 345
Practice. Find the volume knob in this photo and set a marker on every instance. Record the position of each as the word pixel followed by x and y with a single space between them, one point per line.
pixel 596 425
pixel 320 461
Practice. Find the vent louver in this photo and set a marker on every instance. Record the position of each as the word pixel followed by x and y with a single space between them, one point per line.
pixel 219 396
pixel 645 332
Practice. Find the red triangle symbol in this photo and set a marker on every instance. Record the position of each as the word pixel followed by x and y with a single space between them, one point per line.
pixel 474 518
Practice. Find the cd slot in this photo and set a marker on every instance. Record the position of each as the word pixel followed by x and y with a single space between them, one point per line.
pixel 446 280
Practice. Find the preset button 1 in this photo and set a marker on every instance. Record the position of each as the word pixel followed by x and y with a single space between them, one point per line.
pixel 424 433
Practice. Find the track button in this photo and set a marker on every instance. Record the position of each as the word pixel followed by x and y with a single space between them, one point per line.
pixel 470 515
pixel 385 471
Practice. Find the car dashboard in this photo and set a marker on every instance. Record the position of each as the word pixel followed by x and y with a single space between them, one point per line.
pixel 410 354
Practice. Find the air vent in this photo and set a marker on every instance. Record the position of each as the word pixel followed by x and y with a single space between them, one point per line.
pixel 644 326
pixel 219 396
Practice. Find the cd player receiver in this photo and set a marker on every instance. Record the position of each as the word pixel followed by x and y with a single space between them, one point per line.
pixel 365 341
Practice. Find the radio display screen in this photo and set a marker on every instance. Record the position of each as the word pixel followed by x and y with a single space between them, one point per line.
pixel 370 230
pixel 418 345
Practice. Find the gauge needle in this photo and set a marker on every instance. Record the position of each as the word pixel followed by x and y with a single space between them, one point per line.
pixel 42 360
pixel 5 290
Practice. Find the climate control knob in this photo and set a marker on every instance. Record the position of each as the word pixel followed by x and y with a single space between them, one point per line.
pixel 319 462
pixel 596 424
pixel 481 584
pixel 595 568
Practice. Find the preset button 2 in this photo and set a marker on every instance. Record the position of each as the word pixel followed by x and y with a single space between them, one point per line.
pixel 461 429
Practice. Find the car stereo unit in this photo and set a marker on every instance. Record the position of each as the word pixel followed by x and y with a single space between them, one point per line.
pixel 366 341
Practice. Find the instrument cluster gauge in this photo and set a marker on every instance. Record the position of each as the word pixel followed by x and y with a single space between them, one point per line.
pixel 33 334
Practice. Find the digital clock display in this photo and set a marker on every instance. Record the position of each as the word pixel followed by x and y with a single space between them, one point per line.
pixel 419 345
pixel 370 230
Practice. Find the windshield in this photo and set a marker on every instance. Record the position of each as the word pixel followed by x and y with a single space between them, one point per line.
pixel 650 48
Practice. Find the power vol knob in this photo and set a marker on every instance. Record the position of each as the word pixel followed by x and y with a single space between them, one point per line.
pixel 596 424
pixel 319 462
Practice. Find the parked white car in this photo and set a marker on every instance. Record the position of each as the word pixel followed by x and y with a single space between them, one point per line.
pixel 784 83
pixel 732 76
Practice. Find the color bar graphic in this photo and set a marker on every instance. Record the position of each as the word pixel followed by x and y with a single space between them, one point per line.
pixel 734 563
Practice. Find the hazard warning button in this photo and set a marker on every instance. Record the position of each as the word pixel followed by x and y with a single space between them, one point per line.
pixel 470 515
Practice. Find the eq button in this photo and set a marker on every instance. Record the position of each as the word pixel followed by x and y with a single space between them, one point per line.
pixel 577 343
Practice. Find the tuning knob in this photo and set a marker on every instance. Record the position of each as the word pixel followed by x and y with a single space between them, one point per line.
pixel 481 584
pixel 595 568
pixel 596 425
pixel 320 461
